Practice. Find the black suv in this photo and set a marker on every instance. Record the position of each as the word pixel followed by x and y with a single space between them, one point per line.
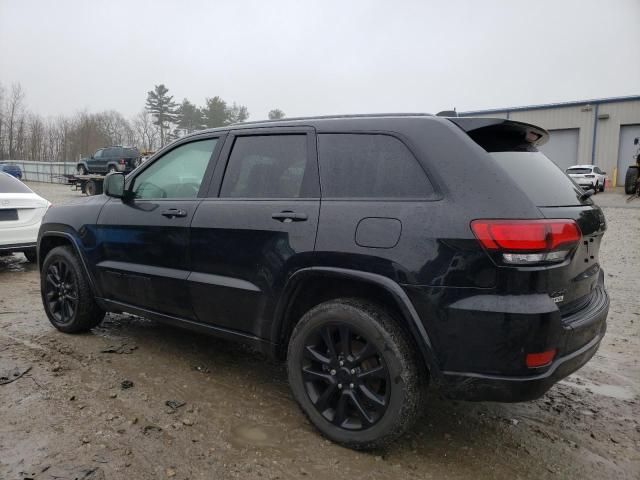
pixel 374 253
pixel 110 159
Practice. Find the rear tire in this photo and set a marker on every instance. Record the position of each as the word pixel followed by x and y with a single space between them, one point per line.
pixel 66 294
pixel 630 180
pixel 32 255
pixel 375 405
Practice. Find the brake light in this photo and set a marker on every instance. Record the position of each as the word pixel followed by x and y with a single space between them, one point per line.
pixel 528 241
pixel 122 161
pixel 542 359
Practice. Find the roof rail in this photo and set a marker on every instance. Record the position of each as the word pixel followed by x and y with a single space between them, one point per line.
pixel 325 117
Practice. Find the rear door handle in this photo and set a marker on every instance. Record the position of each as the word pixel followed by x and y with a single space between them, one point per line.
pixel 174 212
pixel 288 217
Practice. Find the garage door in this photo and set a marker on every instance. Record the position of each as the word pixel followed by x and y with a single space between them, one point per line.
pixel 562 147
pixel 626 149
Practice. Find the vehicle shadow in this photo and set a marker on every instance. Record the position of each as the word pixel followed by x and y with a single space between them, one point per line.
pixel 447 426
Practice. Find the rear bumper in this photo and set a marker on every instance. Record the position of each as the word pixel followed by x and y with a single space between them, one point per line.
pixel 579 340
pixel 19 235
pixel 495 388
pixel 17 247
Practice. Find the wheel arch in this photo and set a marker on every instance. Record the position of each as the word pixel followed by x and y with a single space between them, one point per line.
pixel 51 239
pixel 331 282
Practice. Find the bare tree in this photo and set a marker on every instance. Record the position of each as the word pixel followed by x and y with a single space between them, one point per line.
pixel 146 131
pixel 2 123
pixel 14 114
pixel 35 137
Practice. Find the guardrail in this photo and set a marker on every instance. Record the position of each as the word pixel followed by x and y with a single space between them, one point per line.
pixel 50 172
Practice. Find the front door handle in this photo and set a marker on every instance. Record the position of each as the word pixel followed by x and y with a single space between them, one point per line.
pixel 288 217
pixel 174 212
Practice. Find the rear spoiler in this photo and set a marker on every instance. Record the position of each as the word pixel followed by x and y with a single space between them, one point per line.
pixel 499 134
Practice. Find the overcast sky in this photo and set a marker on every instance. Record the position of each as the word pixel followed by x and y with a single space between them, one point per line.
pixel 319 57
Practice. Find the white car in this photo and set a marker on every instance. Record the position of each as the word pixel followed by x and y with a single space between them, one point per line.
pixel 21 212
pixel 588 177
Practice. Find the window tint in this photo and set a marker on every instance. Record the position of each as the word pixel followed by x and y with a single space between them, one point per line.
pixel 267 166
pixel 369 166
pixel 177 174
pixel 8 184
pixel 538 177
pixel 579 171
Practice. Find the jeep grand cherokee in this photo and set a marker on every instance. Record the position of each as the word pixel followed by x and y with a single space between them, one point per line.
pixel 375 254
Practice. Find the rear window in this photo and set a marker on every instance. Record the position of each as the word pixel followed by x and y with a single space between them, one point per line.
pixel 8 184
pixel 541 179
pixel 580 171
pixel 369 166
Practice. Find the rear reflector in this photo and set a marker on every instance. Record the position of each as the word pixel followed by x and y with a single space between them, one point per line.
pixel 542 359
pixel 528 241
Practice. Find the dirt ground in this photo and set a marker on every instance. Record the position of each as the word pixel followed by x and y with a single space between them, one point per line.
pixel 72 416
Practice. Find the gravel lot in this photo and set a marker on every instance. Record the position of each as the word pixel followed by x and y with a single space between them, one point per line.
pixel 70 416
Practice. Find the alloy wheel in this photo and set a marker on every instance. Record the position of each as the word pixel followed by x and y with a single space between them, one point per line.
pixel 61 291
pixel 345 377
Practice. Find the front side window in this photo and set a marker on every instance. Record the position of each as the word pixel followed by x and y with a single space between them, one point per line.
pixel 98 154
pixel 369 166
pixel 177 174
pixel 267 166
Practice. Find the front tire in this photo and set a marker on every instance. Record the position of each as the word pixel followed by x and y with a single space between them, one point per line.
pixel 82 170
pixel 355 373
pixel 66 294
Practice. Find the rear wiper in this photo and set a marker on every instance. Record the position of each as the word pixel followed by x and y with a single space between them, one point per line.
pixel 587 194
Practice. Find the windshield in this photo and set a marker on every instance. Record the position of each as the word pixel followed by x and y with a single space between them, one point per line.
pixel 8 184
pixel 537 176
pixel 579 171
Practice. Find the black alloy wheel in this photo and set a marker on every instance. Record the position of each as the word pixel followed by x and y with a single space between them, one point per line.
pixel 61 291
pixel 345 376
pixel 66 293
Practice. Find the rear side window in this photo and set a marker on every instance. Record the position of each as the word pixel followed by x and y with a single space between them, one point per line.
pixel 541 179
pixel 369 166
pixel 268 166
pixel 8 184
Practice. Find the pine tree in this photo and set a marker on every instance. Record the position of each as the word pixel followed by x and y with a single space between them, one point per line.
pixel 276 114
pixel 189 117
pixel 215 112
pixel 163 108
pixel 237 114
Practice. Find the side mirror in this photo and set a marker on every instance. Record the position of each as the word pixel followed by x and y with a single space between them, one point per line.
pixel 636 140
pixel 604 173
pixel 114 185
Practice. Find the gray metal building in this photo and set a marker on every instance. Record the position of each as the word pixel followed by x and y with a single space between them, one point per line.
pixel 598 132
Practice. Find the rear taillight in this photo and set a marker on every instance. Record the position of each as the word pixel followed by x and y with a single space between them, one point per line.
pixel 523 242
pixel 122 161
